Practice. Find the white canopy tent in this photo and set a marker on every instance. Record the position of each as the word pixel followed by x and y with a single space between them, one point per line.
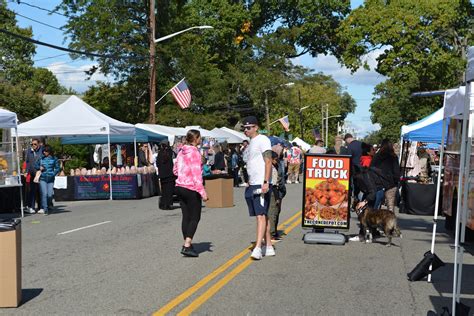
pixel 75 117
pixel 236 133
pixel 304 145
pixel 9 121
pixel 168 131
pixel 231 138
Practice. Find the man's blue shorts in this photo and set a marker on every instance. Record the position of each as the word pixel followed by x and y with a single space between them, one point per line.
pixel 257 205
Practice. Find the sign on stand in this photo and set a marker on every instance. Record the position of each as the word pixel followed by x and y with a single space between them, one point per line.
pixel 326 191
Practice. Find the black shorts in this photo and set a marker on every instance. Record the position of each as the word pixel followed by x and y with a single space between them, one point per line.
pixel 257 204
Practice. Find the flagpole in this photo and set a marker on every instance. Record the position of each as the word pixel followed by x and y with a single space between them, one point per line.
pixel 273 122
pixel 164 95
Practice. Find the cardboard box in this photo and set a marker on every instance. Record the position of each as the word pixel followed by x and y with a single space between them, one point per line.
pixel 220 192
pixel 10 267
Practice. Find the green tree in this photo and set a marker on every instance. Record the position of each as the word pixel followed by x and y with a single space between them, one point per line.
pixel 423 44
pixel 15 54
pixel 21 99
pixel 45 82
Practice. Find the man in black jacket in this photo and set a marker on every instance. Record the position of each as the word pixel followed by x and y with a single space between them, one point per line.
pixel 165 173
pixel 32 155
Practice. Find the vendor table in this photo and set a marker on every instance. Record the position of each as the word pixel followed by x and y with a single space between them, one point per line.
pixel 418 198
pixel 220 191
pixel 133 186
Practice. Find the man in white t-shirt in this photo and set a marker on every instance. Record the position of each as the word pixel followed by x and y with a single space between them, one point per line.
pixel 257 194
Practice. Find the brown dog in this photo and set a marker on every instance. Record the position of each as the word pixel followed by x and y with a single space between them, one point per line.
pixel 371 219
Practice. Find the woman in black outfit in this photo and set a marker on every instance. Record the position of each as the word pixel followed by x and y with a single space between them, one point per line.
pixel 167 178
pixel 219 159
pixel 387 161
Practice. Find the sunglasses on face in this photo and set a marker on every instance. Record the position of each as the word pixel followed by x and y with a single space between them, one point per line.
pixel 34 144
pixel 248 128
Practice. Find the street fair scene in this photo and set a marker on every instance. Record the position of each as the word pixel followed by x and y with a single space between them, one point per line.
pixel 243 158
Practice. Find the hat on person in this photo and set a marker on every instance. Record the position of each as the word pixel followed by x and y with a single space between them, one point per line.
pixel 348 136
pixel 250 120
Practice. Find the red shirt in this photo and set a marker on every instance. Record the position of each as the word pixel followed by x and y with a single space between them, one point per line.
pixel 365 161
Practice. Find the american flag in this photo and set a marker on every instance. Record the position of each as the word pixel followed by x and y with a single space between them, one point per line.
pixel 285 122
pixel 181 94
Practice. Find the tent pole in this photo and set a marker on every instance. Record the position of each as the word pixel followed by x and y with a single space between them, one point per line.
pixel 438 189
pixel 459 208
pixel 134 149
pixel 463 215
pixel 110 164
pixel 19 174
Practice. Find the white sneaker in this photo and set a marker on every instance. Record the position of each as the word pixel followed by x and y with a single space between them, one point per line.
pixel 29 210
pixel 297 181
pixel 288 181
pixel 256 253
pixel 355 238
pixel 269 251
pixel 41 211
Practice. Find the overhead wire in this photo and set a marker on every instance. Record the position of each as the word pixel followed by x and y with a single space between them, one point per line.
pixel 40 8
pixel 24 38
pixel 36 21
pixel 49 57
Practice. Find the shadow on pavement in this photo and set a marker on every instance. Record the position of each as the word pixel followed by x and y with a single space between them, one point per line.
pixel 29 294
pixel 201 247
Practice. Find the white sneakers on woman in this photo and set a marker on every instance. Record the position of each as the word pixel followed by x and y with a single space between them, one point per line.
pixel 258 254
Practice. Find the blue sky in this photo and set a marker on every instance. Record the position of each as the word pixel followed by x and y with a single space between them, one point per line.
pixel 71 72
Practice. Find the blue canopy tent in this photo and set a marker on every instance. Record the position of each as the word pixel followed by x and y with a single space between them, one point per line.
pixel 427 130
pixel 141 135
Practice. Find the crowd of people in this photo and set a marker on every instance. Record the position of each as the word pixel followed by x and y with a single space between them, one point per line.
pixel 263 165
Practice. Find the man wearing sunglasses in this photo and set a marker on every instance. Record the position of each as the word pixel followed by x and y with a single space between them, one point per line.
pixel 257 194
pixel 33 154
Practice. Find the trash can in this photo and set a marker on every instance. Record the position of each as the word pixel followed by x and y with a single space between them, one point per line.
pixel 10 263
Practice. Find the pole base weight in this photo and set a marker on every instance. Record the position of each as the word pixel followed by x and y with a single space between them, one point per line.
pixel 324 238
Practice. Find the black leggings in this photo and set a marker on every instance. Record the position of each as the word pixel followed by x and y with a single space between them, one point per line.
pixel 190 202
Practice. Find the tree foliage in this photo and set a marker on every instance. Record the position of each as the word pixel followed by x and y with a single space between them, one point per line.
pixel 422 43
pixel 228 68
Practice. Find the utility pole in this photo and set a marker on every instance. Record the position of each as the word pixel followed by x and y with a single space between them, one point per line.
pixel 301 115
pixel 267 112
pixel 322 123
pixel 152 86
pixel 327 123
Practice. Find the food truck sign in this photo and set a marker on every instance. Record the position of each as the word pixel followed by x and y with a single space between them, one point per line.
pixel 326 191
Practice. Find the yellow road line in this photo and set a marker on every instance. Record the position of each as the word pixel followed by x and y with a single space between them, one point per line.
pixel 183 296
pixel 222 282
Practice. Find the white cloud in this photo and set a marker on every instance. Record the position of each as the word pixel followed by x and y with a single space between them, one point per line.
pixel 330 66
pixel 360 128
pixel 75 76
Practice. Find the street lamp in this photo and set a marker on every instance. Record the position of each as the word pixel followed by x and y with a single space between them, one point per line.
pixel 327 127
pixel 300 112
pixel 202 27
pixel 267 110
pixel 153 41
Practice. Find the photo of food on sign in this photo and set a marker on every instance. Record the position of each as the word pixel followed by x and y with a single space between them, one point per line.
pixel 326 198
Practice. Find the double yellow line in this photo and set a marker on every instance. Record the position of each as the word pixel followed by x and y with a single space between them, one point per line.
pixel 226 279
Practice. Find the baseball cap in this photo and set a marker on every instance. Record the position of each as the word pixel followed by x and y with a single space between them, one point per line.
pixel 249 120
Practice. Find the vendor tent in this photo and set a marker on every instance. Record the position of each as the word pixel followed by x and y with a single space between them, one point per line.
pixel 231 138
pixel 429 129
pixel 304 145
pixel 74 117
pixel 7 119
pixel 170 132
pixel 236 133
pixel 141 135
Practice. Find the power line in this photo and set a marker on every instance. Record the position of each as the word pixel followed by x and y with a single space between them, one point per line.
pixel 24 38
pixel 40 8
pixel 50 57
pixel 39 22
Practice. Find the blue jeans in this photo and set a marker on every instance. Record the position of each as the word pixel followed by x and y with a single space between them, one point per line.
pixel 379 196
pixel 46 191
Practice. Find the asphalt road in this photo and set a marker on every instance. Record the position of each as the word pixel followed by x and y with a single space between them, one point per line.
pixel 129 264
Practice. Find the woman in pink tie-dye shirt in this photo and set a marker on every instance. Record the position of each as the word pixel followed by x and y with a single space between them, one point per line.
pixel 190 189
